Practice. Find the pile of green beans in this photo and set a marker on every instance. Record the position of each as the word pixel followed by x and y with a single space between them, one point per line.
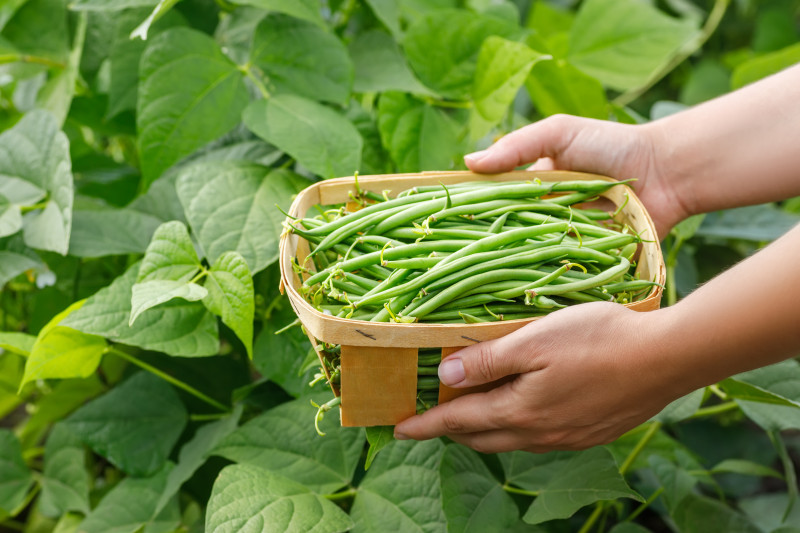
pixel 469 252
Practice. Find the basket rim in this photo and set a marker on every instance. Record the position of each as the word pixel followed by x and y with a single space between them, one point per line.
pixel 367 333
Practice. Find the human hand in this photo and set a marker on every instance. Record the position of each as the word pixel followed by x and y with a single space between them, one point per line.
pixel 583 376
pixel 621 151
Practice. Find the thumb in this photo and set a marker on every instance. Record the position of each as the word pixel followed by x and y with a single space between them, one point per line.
pixel 545 138
pixel 482 363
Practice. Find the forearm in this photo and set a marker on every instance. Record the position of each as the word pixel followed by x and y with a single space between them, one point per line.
pixel 746 318
pixel 736 150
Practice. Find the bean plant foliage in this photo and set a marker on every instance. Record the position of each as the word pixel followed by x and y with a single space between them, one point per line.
pixel 146 150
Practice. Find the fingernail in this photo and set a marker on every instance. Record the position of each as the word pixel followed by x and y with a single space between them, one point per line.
pixel 451 372
pixel 474 157
pixel 400 436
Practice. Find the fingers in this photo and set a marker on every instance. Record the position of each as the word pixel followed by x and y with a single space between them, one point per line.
pixel 468 414
pixel 546 138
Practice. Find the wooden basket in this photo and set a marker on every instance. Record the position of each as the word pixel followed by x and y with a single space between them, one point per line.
pixel 379 360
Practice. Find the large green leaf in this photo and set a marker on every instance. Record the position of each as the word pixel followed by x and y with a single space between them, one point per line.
pixel 676 481
pixel 502 68
pixel 753 223
pixel 35 166
pixel 13 264
pixel 65 480
pixel 283 440
pixel 558 87
pixel 102 232
pixel 378 438
pixel 40 28
pixel 299 57
pixel 442 48
pixel 15 476
pixel 230 296
pixel 388 12
pixel 623 42
pixel 681 408
pixel 247 498
pixel 589 476
pixel 109 5
pixel 318 137
pixel 533 471
pixel 195 453
pixel 473 499
pixel 380 65
pixel 231 206
pixel 700 514
pixel 401 491
pixel 10 217
pixel 176 328
pixel 765 65
pixel 18 343
pixel 170 255
pixel 190 93
pixel 129 506
pixel 417 135
pixel 134 426
pixel 772 395
pixel 302 9
pixel 148 294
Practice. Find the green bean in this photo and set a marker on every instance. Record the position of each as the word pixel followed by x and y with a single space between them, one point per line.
pixel 427 383
pixel 497 225
pixel 430 358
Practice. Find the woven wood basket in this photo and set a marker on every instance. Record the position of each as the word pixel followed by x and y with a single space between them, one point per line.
pixel 379 360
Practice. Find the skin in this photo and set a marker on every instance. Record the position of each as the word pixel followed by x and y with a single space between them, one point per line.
pixel 586 374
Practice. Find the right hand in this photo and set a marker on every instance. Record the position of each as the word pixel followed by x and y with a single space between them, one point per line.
pixel 564 142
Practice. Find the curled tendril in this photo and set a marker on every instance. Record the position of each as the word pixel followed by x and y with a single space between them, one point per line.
pixel 321 410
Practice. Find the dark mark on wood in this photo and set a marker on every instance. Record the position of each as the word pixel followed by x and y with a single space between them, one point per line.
pixel 367 335
pixel 469 338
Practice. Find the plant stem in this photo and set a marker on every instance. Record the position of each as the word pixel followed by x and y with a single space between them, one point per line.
pixel 587 526
pixel 342 495
pixel 247 70
pixel 28 208
pixel 514 490
pixel 447 103
pixel 714 410
pixel 643 442
pixel 206 417
pixel 200 275
pixel 645 505
pixel 166 377
pixel 693 45
pixel 26 58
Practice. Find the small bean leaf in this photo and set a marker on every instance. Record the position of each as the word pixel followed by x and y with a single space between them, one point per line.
pixel 152 293
pixel 230 296
pixel 170 255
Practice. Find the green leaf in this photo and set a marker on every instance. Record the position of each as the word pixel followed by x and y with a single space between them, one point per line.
pixel 628 527
pixel 303 9
pixel 401 491
pixel 63 352
pixel 13 264
pixel 149 294
pixel 177 328
pixel 556 86
pixel 739 390
pixel 247 497
pixel 109 5
pixel 708 79
pixel 102 232
pixel 161 9
pixel 279 358
pixel 761 223
pixel 380 65
pixel 230 296
pixel 588 477
pixel 473 499
pixel 623 42
pixel 501 70
pixel 388 12
pixel 300 58
pixel 533 471
pixel 134 426
pixel 170 255
pixel 687 228
pixel 35 166
pixel 283 440
pixel 18 343
pixel 549 19
pixel 682 408
pixel 65 480
pixel 125 54
pixel 699 514
pixel 767 512
pixel 7 10
pixel 195 453
pixel 231 207
pixel 676 481
pixel 765 65
pixel 190 93
pixel 418 136
pixel 15 477
pixel 10 217
pixel 744 467
pixel 129 506
pixel 40 28
pixel 377 437
pixel 318 137
pixel 789 472
pixel 442 48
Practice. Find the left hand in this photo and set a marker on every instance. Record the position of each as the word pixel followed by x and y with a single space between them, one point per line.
pixel 583 376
